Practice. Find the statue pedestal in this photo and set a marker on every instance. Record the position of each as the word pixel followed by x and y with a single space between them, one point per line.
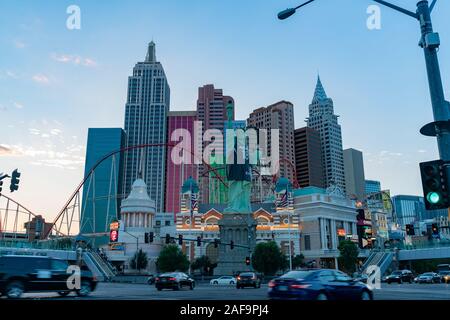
pixel 240 228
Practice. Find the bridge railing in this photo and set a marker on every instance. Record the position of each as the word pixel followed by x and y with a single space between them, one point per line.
pixel 425 245
pixel 49 245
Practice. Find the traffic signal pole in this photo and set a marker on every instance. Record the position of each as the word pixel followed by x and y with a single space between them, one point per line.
pixel 430 43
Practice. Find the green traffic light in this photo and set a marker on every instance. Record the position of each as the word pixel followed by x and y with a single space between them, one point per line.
pixel 433 197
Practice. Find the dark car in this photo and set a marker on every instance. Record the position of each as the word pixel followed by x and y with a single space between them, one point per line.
pixel 318 284
pixel 400 276
pixel 20 274
pixel 174 280
pixel 428 277
pixel 248 279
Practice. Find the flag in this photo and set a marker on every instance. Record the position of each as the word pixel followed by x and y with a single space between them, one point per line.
pixel 284 200
pixel 194 202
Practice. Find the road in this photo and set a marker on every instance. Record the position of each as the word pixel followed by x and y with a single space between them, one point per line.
pixel 120 291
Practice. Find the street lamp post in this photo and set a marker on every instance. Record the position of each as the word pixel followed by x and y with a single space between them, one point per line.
pixel 137 239
pixel 430 43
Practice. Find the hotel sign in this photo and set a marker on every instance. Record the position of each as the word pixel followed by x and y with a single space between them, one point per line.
pixel 114 231
pixel 113 236
pixel 114 225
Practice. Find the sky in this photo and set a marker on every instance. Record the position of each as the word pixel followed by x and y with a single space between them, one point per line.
pixel 55 83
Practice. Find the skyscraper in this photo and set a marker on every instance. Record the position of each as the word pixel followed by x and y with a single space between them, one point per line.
pixel 322 118
pixel 409 209
pixel 212 112
pixel 176 174
pixel 372 186
pixel 101 192
pixel 354 173
pixel 308 158
pixel 145 123
pixel 279 116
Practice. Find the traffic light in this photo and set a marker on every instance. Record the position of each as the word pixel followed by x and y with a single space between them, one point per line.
pixel 410 230
pixel 167 238
pixel 435 184
pixel 180 239
pixel 232 245
pixel 361 216
pixel 14 181
pixel 216 243
pixel 150 237
pixel 435 229
pixel 199 241
pixel 247 261
pixel 146 237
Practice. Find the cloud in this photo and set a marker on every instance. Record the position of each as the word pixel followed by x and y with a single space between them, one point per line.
pixel 35 132
pixel 41 79
pixel 74 59
pixel 18 105
pixel 5 150
pixel 422 151
pixel 69 157
pixel 11 74
pixel 55 132
pixel 19 44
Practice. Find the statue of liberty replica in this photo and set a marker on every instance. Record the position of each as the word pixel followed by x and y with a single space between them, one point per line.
pixel 237 225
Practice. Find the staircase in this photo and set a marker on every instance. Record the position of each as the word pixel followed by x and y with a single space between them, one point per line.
pixel 99 267
pixel 381 259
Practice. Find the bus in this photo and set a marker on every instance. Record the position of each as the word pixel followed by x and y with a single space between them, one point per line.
pixel 443 267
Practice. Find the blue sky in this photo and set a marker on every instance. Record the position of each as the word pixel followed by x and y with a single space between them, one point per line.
pixel 55 83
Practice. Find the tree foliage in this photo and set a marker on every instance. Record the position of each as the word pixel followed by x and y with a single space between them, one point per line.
pixel 139 261
pixel 171 258
pixel 348 256
pixel 268 258
pixel 203 264
pixel 298 261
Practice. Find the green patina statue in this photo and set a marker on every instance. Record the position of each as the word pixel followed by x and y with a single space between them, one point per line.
pixel 239 175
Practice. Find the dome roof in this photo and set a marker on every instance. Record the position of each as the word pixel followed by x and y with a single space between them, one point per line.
pixel 138 200
pixel 283 184
pixel 190 185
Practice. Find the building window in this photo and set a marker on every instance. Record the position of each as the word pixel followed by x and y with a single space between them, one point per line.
pixel 307 243
pixel 167 223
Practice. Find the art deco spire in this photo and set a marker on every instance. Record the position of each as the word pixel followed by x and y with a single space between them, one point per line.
pixel 151 53
pixel 319 93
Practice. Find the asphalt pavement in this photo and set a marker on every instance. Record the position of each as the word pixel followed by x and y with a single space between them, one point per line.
pixel 204 291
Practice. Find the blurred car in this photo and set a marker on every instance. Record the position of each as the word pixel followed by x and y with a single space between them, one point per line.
pixel 174 280
pixel 361 277
pixel 318 284
pixel 20 274
pixel 225 280
pixel 445 276
pixel 248 279
pixel 428 277
pixel 151 279
pixel 400 276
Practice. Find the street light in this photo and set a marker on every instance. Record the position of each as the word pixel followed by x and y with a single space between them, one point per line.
pixel 430 43
pixel 290 11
